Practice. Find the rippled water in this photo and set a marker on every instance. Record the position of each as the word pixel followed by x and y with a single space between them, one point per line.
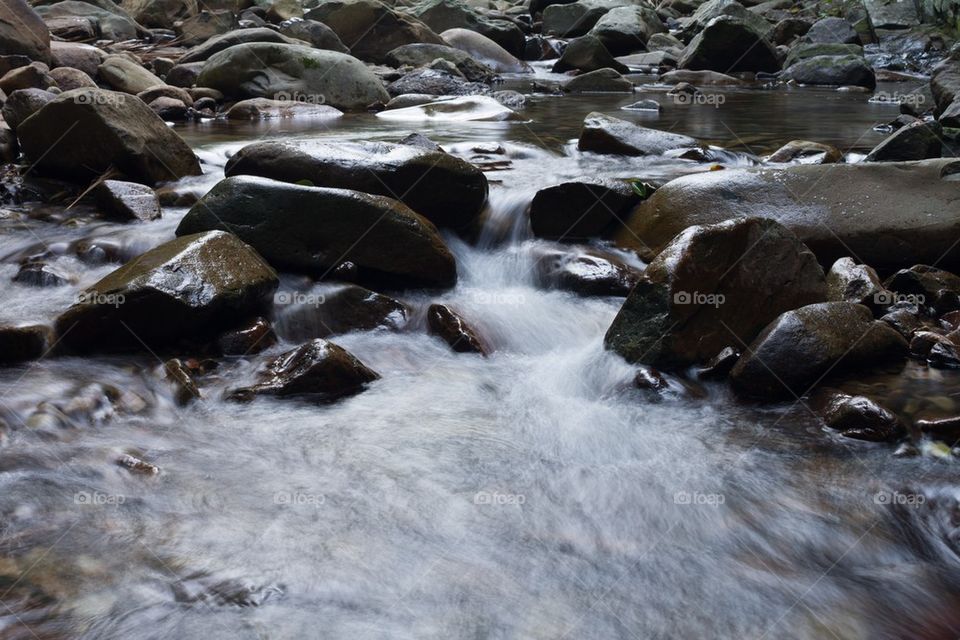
pixel 532 494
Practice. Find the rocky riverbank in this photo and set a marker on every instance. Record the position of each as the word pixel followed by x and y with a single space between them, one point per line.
pixel 760 279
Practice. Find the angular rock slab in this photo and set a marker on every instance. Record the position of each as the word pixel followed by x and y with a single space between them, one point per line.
pixel 713 287
pixel 187 288
pixel 887 215
pixel 314 230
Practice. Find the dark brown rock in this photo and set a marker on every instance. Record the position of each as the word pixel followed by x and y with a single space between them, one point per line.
pixel 450 327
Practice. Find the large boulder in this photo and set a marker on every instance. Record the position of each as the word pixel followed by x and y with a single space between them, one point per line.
pixel 623 30
pixel 580 209
pixel 833 30
pixel 441 15
pixel 446 190
pixel 831 71
pixel 574 19
pixel 892 14
pixel 335 309
pixel 587 53
pixel 23 32
pixel 606 134
pixel 804 50
pixel 889 215
pixel 315 230
pixel 77 20
pixel 485 51
pixel 728 44
pixel 315 33
pixel 370 28
pixel 292 72
pixel 77 56
pixel 123 74
pixel 713 287
pixel 185 289
pixel 203 52
pixel 804 345
pixel 715 8
pixel 319 370
pixel 83 132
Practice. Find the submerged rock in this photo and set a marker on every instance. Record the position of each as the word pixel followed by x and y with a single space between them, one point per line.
pixel 313 230
pixel 184 289
pixel 889 215
pixel 601 80
pixel 805 152
pixel 463 109
pixel 605 134
pixel 860 418
pixel 802 346
pixel 265 108
pixel 450 327
pixel 448 191
pixel 712 287
pixel 320 370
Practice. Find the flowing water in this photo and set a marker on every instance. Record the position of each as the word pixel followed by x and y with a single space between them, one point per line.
pixel 532 494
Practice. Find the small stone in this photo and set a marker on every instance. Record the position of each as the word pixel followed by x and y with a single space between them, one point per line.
pixel 136 465
pixel 185 388
pixel 127 200
pixel 450 326
pixel 251 338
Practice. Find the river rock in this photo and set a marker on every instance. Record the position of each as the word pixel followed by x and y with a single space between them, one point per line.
pixel 293 72
pixel 22 104
pixel 832 70
pixel 806 152
pixel 461 109
pixel 92 129
pixel 184 289
pixel 713 9
pixel 435 82
pixel 23 32
pixel 319 370
pixel 335 309
pixel 485 51
pixel 319 35
pixel 799 348
pixel 314 230
pixel 714 286
pixel 160 14
pixel 833 30
pixel 728 44
pixel 68 79
pixel 122 74
pixel 570 20
pixel 442 15
pixel 586 273
pixel 916 141
pixel 580 209
pixel 32 76
pixel 605 134
pixel 77 20
pixel 889 215
pixel 75 55
pixel 370 28
pixel 587 53
pixel 253 337
pixel 448 191
pixel 804 50
pixel 127 200
pixel 924 285
pixel 623 30
pixel 848 281
pixel 203 52
pixel 599 81
pixel 265 108
pixel 420 55
pixel 22 343
pixel 859 417
pixel 699 78
pixel 450 327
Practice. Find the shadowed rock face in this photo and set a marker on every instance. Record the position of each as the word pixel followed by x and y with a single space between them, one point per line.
pixel 83 132
pixel 314 230
pixel 23 32
pixel 446 190
pixel 888 215
pixel 728 44
pixel 713 287
pixel 800 347
pixel 187 288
